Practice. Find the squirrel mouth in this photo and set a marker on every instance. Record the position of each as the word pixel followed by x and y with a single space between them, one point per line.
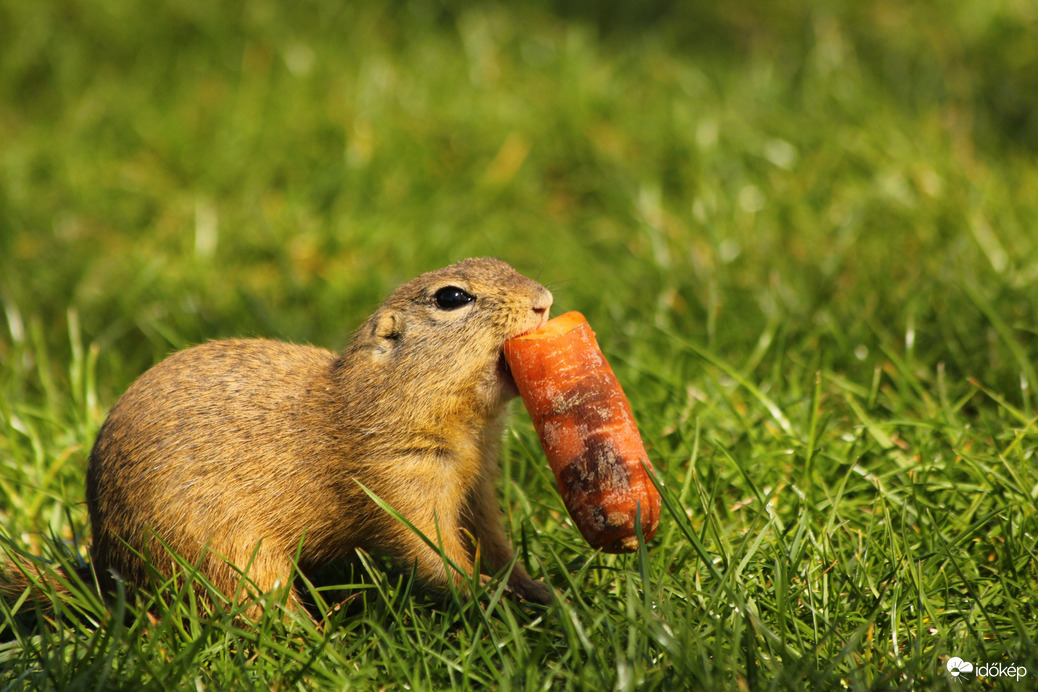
pixel 544 321
pixel 504 375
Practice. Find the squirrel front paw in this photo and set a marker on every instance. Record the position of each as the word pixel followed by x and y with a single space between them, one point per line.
pixel 532 591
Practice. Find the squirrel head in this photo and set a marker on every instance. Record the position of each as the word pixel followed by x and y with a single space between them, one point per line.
pixel 436 341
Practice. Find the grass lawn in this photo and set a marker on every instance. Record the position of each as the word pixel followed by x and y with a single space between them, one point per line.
pixel 806 235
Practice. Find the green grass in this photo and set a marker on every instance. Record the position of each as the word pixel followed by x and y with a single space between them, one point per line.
pixel 804 233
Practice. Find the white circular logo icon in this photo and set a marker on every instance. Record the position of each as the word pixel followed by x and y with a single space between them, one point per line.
pixel 957 666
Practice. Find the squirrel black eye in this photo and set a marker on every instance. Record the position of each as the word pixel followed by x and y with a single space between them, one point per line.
pixel 452 298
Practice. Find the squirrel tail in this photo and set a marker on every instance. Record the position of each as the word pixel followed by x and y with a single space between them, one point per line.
pixel 38 581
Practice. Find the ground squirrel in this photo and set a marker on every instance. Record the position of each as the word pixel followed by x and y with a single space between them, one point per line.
pixel 252 452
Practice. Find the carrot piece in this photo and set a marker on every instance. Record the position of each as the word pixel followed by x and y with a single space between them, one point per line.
pixel 587 431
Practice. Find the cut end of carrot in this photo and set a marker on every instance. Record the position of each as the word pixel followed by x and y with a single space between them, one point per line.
pixel 556 326
pixel 628 544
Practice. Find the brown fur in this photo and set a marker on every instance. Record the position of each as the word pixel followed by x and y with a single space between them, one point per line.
pixel 241 451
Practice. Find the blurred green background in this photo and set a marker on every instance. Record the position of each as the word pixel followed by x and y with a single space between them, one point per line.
pixel 840 173
pixel 806 234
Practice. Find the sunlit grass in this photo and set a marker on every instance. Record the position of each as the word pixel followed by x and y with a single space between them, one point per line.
pixel 805 240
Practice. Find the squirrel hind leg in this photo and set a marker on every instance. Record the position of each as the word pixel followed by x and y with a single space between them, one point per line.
pixel 219 578
pixel 262 578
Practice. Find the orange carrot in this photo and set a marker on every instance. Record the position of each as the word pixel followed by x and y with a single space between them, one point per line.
pixel 587 431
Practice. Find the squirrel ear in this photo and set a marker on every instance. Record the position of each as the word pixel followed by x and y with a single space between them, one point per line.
pixel 389 327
